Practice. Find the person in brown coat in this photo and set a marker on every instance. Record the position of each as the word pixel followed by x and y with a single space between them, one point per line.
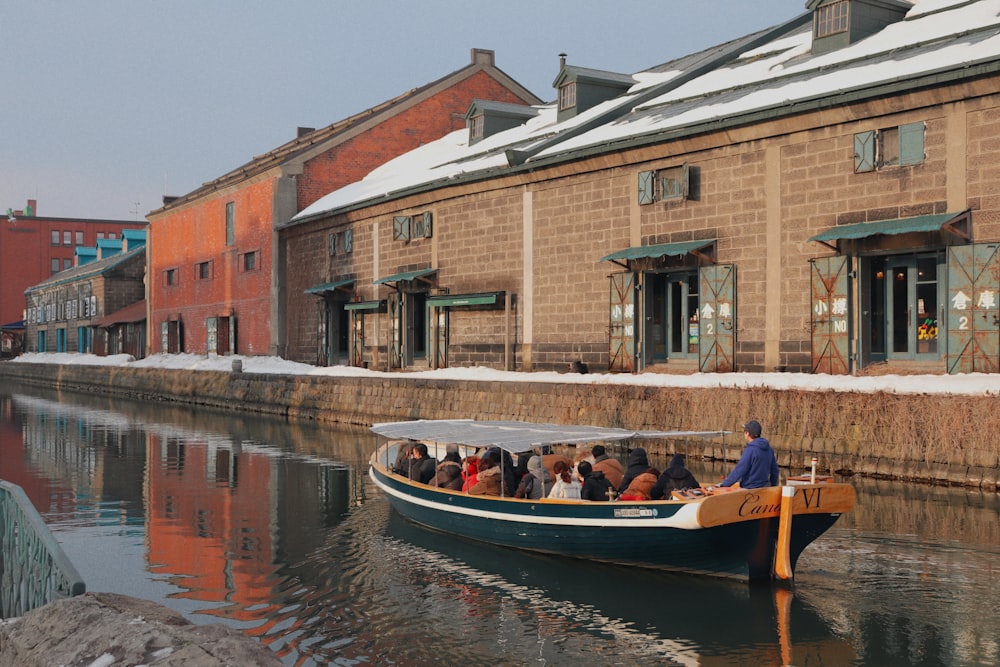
pixel 449 473
pixel 641 485
pixel 611 467
pixel 489 481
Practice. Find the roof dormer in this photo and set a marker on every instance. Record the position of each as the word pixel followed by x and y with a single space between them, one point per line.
pixel 839 23
pixel 485 118
pixel 581 88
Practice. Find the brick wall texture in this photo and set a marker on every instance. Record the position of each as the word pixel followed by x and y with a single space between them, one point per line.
pixel 547 253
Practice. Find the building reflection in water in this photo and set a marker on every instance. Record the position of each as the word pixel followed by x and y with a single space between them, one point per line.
pixel 221 510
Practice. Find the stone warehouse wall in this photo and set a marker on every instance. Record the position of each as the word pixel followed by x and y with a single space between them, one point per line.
pixel 947 439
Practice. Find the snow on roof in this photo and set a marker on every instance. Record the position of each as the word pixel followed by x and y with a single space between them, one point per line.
pixel 936 35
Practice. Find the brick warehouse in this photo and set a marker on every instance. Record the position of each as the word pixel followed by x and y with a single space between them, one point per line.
pixel 72 311
pixel 815 197
pixel 214 283
pixel 34 247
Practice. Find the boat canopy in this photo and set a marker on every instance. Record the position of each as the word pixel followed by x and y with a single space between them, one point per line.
pixel 515 436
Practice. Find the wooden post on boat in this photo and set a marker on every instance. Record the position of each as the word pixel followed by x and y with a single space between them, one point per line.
pixel 782 555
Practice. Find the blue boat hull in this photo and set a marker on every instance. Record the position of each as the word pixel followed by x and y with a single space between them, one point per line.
pixel 660 535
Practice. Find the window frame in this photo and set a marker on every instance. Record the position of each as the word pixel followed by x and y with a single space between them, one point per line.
pixel 894 146
pixel 170 277
pixel 203 270
pixel 252 256
pixel 477 126
pixel 230 223
pixel 567 96
pixel 832 19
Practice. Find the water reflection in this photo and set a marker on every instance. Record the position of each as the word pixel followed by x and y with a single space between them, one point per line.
pixel 275 529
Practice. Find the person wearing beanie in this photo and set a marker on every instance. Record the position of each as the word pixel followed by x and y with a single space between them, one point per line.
pixel 757 467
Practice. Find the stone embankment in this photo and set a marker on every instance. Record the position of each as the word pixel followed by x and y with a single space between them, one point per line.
pixel 105 630
pixel 932 438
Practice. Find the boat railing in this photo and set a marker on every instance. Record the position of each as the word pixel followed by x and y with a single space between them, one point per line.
pixel 34 570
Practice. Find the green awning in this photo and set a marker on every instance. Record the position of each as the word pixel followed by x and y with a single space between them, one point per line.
pixel 330 287
pixel 479 299
pixel 365 305
pixel 661 250
pixel 920 223
pixel 406 275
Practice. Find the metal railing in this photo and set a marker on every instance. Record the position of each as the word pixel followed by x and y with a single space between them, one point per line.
pixel 34 570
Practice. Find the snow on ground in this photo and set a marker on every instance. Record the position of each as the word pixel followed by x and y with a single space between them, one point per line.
pixel 972 384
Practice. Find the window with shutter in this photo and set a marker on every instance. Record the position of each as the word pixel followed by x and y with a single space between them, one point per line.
pixel 864 151
pixel 646 181
pixel 911 143
pixel 401 228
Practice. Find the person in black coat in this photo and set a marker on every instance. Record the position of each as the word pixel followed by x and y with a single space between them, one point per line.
pixel 675 478
pixel 595 486
pixel 422 467
pixel 507 469
pixel 638 463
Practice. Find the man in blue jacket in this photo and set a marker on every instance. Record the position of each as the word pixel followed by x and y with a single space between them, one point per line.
pixel 758 466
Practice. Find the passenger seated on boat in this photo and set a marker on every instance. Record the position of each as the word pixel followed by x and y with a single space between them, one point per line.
pixel 549 461
pixel 470 472
pixel 611 467
pixel 403 457
pixel 489 481
pixel 508 472
pixel 449 472
pixel 422 466
pixel 641 486
pixel 595 486
pixel 536 483
pixel 675 478
pixel 566 485
pixel 638 463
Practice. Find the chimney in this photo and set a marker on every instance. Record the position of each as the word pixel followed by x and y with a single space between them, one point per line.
pixel 483 57
pixel 303 131
pixel 169 199
pixel 562 61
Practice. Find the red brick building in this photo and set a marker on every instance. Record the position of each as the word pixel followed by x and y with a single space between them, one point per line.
pixel 33 248
pixel 216 268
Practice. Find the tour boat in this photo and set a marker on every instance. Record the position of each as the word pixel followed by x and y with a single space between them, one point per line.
pixel 746 534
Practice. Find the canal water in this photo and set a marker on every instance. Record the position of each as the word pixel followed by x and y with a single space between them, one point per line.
pixel 275 529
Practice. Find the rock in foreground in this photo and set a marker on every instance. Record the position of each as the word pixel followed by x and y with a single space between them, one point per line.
pixel 106 630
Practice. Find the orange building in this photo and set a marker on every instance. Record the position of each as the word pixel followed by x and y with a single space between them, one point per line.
pixel 216 268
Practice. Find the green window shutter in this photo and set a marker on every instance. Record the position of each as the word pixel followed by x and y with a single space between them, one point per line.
pixel 646 180
pixel 674 183
pixel 401 228
pixel 864 151
pixel 911 143
pixel 717 318
pixel 973 313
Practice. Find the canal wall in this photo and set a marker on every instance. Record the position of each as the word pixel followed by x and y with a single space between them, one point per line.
pixel 930 438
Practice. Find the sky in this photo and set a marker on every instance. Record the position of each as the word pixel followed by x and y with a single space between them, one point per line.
pixel 112 104
pixel 965 384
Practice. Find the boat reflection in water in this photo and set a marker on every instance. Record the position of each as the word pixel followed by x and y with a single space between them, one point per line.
pixel 649 614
